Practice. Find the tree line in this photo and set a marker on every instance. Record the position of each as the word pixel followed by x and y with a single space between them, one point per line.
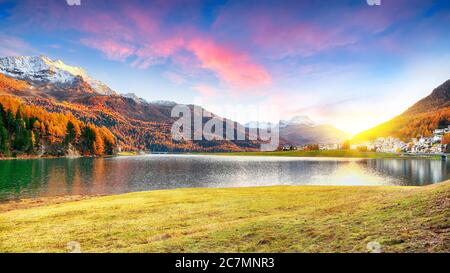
pixel 27 130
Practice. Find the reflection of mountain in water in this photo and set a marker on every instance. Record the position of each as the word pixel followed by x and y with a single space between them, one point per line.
pixel 81 176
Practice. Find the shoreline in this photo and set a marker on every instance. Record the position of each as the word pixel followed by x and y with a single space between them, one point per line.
pixel 330 154
pixel 53 157
pixel 307 154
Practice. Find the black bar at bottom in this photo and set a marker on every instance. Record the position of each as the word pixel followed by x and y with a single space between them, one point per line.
pixel 222 262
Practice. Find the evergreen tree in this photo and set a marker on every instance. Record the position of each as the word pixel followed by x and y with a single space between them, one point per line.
pixel 4 141
pixel 22 135
pixel 88 138
pixel 70 133
pixel 4 135
pixel 2 114
pixel 9 120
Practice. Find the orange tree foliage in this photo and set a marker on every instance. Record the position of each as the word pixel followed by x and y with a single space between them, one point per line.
pixel 409 126
pixel 52 128
pixel 446 139
pixel 7 83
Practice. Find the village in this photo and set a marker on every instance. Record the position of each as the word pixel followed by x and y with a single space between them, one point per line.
pixel 424 145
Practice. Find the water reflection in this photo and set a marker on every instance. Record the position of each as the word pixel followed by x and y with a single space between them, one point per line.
pixel 50 177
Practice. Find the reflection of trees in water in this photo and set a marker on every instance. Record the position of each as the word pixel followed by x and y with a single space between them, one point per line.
pixel 17 176
pixel 25 178
pixel 412 171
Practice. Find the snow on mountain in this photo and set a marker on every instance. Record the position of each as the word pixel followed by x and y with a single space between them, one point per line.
pixel 164 102
pixel 43 70
pixel 134 97
pixel 298 120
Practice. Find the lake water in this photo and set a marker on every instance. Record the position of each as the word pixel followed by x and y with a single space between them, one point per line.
pixel 61 176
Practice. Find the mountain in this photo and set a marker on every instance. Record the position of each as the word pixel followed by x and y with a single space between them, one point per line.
pixel 28 129
pixel 301 130
pixel 420 119
pixel 134 97
pixel 43 71
pixel 298 120
pixel 136 123
pixel 438 99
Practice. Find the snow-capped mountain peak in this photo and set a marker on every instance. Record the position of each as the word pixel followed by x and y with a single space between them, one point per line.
pixel 164 102
pixel 74 70
pixel 43 70
pixel 298 120
pixel 134 97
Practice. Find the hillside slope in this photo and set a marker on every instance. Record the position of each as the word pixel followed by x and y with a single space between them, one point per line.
pixel 136 124
pixel 31 130
pixel 318 134
pixel 420 119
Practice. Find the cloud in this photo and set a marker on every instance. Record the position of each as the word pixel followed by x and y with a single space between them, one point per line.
pixel 205 90
pixel 144 34
pixel 174 78
pixel 306 28
pixel 157 52
pixel 113 50
pixel 14 46
pixel 231 66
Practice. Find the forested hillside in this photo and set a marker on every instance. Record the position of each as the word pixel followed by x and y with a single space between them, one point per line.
pixel 31 130
pixel 421 119
pixel 135 123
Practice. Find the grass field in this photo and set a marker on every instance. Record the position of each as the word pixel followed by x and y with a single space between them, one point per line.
pixel 263 219
pixel 328 153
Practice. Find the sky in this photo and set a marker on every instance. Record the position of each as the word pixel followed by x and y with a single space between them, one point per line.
pixel 343 62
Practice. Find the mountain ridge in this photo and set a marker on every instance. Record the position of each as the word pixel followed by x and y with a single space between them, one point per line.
pixel 429 113
pixel 302 130
pixel 136 123
pixel 43 70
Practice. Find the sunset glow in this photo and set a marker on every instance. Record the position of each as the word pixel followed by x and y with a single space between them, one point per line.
pixel 351 64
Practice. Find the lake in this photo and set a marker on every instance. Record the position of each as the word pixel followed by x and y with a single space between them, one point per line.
pixel 85 176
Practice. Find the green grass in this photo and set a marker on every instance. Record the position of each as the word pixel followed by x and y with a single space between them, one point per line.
pixel 327 153
pixel 262 219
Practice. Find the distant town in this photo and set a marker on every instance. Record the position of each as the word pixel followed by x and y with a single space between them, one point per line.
pixel 437 143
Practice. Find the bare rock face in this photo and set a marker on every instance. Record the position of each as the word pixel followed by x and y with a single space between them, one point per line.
pixel 72 152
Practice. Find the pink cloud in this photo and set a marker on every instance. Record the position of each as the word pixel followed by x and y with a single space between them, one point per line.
pixel 205 90
pixel 174 78
pixel 231 66
pixel 14 46
pixel 291 29
pixel 157 52
pixel 114 50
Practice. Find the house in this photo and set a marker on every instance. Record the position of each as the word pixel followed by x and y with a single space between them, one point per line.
pixel 332 146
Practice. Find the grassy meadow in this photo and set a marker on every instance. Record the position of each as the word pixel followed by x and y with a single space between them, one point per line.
pixel 260 219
